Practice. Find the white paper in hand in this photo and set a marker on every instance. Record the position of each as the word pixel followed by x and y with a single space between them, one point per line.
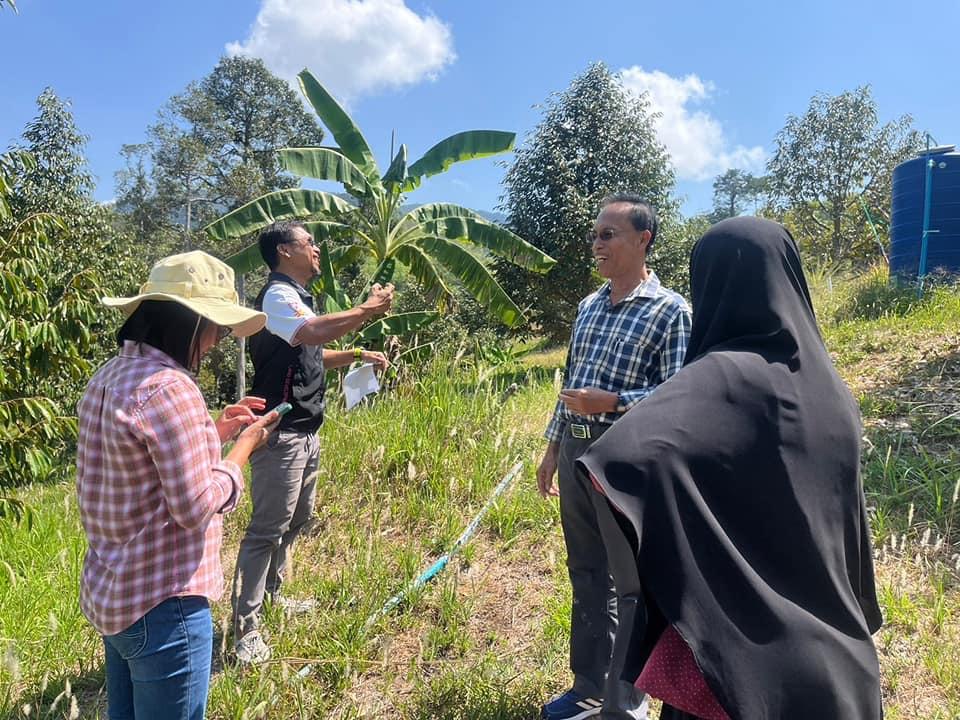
pixel 359 382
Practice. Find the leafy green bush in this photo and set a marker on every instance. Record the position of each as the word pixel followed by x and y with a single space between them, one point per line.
pixel 45 339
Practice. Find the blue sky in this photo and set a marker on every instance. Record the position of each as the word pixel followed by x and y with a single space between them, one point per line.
pixel 725 75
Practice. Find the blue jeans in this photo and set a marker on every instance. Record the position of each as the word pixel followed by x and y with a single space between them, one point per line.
pixel 159 667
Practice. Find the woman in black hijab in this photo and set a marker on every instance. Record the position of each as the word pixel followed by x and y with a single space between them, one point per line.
pixel 741 511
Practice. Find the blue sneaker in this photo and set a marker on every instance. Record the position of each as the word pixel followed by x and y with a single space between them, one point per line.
pixel 571 706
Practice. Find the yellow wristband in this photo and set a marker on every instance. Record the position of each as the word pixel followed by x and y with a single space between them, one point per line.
pixel 358 354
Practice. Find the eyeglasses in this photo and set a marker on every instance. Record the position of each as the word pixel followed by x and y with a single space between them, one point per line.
pixel 607 234
pixel 222 332
pixel 311 243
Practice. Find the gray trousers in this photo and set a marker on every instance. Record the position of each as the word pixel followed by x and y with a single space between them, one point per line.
pixel 593 621
pixel 283 486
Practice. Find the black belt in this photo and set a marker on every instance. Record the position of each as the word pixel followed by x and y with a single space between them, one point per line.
pixel 586 431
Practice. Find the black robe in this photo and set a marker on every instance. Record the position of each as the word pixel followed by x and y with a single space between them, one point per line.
pixel 741 506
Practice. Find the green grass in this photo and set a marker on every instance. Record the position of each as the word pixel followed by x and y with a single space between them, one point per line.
pixel 44 641
pixel 399 481
pixel 900 356
pixel 487 639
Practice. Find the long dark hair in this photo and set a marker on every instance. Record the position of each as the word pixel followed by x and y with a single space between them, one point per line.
pixel 168 326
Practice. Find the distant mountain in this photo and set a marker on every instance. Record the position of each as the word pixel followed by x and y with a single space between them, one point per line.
pixel 494 217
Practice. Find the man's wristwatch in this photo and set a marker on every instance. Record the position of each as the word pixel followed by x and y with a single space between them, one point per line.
pixel 358 354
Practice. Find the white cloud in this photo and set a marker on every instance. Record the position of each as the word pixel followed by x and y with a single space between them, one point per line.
pixel 353 47
pixel 695 140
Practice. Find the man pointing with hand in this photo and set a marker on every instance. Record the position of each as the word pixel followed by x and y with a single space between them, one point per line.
pixel 628 337
pixel 290 365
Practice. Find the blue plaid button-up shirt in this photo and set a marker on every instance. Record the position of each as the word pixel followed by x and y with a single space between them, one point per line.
pixel 628 348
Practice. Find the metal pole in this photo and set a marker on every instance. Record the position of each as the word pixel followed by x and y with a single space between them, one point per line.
pixel 241 349
pixel 186 235
pixel 873 227
pixel 927 198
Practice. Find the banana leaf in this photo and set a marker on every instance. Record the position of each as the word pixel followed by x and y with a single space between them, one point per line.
pixel 325 163
pixel 463 146
pixel 401 324
pixel 494 238
pixel 475 277
pixel 348 136
pixel 279 205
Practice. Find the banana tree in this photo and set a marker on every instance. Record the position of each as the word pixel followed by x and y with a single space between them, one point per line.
pixel 436 242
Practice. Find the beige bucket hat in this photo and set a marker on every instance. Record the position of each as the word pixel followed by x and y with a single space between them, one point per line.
pixel 200 282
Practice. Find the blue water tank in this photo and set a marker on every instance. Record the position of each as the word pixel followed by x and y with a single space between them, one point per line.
pixel 906 224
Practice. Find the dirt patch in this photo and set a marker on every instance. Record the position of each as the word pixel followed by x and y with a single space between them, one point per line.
pixel 505 593
pixel 910 387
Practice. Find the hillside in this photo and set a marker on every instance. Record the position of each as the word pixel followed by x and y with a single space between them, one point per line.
pixel 904 367
pixel 487 638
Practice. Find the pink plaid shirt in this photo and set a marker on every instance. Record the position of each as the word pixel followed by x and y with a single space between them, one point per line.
pixel 152 489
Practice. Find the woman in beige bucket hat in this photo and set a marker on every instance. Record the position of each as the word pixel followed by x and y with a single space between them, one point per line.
pixel 153 487
pixel 201 283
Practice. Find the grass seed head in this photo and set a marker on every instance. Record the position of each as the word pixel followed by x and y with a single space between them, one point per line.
pixel 11 663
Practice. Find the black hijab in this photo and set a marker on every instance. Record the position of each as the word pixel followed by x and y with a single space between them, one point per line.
pixel 739 485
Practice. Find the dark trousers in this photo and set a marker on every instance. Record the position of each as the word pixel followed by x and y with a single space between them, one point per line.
pixel 671 713
pixel 640 622
pixel 594 614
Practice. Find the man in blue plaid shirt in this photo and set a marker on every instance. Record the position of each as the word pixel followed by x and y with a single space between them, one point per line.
pixel 629 336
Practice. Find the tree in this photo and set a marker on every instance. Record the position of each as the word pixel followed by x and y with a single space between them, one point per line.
pixel 58 182
pixel 182 169
pixel 134 190
pixel 595 138
pixel 830 158
pixel 213 148
pixel 88 238
pixel 215 145
pixel 46 336
pixel 435 242
pixel 82 249
pixel 732 192
pixel 141 213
